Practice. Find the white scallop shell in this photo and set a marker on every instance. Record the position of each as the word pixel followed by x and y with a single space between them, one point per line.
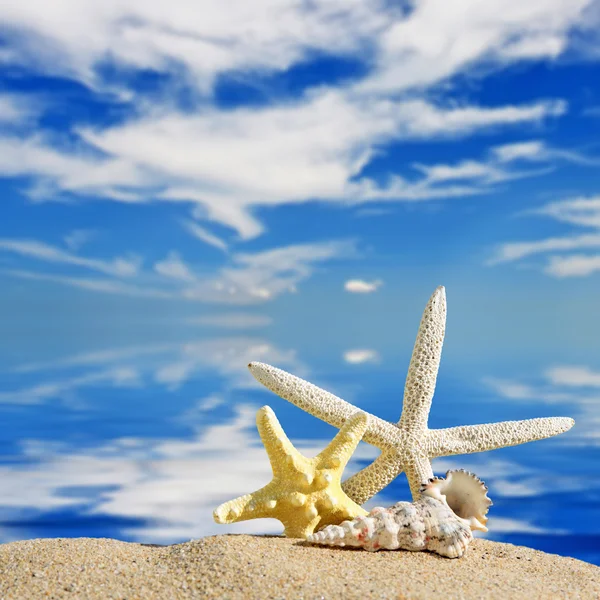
pixel 429 523
pixel 464 493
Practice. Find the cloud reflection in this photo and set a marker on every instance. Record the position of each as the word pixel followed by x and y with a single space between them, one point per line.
pixel 574 386
pixel 173 485
pixel 169 365
pixel 208 451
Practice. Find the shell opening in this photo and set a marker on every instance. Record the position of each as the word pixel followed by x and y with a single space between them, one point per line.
pixel 464 493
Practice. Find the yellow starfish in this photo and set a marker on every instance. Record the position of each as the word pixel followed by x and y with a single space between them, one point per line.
pixel 304 492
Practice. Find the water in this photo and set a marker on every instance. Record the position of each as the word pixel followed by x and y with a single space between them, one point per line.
pixel 142 441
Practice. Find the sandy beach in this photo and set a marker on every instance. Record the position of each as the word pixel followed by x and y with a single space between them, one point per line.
pixel 261 567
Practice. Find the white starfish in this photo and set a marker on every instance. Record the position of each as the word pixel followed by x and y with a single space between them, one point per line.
pixel 408 445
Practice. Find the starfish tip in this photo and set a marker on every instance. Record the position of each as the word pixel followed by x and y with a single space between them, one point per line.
pixel 255 365
pixel 264 412
pixel 217 516
pixel 439 294
pixel 360 418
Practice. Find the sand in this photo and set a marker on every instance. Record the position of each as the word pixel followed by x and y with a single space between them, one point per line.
pixel 253 567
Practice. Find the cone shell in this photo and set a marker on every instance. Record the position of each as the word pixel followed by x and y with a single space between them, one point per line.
pixel 440 521
pixel 464 493
pixel 427 524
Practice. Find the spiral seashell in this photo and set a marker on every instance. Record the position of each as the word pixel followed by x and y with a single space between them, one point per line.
pixel 430 523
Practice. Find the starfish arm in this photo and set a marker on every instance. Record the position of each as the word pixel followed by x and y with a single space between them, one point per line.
pixel 424 365
pixel 319 403
pixel 479 438
pixel 418 471
pixel 362 486
pixel 340 449
pixel 280 450
pixel 257 505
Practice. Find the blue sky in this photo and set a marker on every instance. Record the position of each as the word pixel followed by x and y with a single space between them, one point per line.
pixel 193 185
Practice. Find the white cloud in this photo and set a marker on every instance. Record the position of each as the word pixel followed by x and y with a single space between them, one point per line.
pixel 264 275
pixel 399 189
pixel 420 46
pixel 422 119
pixel 105 286
pixel 577 265
pixel 16 110
pixel 226 162
pixel 522 150
pixel 438 39
pixel 469 169
pixel 204 39
pixel 573 376
pixel 197 413
pixel 174 268
pixel 541 46
pixel 504 525
pixel 118 267
pixel 280 154
pixel 373 212
pixel 246 278
pixel 538 484
pixel 510 389
pixel 78 238
pixel 64 389
pixel 114 356
pixel 537 150
pixel 205 236
pixel 580 211
pixel 228 357
pixel 61 170
pixel 233 320
pixel 208 403
pixel 503 163
pixel 512 251
pixel 360 356
pixel 513 390
pixel 360 286
pixel 170 365
pixel 567 385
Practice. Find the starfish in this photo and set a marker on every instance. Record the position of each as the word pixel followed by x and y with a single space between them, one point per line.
pixel 408 445
pixel 304 492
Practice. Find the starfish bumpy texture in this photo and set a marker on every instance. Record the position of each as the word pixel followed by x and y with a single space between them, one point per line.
pixel 304 492
pixel 408 445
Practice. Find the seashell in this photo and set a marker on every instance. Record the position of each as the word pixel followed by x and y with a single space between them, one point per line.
pixel 464 493
pixel 430 523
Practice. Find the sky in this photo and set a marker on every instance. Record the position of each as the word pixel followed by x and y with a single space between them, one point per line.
pixel 190 186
